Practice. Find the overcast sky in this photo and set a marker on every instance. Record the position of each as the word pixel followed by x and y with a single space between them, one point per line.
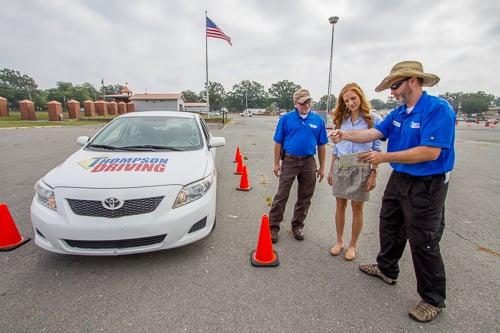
pixel 159 46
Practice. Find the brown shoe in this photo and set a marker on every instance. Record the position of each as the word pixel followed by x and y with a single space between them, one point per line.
pixel 274 234
pixel 298 233
pixel 372 269
pixel 424 312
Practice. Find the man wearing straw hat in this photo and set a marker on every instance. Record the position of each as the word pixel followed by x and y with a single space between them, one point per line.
pixel 420 149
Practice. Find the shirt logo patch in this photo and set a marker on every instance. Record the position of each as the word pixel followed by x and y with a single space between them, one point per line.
pixel 414 125
pixel 396 123
pixel 313 126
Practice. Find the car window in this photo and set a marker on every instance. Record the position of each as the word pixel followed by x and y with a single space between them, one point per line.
pixel 173 132
pixel 206 130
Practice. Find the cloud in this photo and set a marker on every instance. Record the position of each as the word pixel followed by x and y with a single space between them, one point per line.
pixel 159 46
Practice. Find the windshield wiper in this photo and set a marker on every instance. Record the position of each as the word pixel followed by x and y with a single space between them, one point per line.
pixel 150 147
pixel 103 147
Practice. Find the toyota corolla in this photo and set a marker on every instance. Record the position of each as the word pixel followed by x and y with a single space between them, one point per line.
pixel 145 182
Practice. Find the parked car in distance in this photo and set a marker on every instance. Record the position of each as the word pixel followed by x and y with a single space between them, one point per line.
pixel 145 182
pixel 470 120
pixel 246 113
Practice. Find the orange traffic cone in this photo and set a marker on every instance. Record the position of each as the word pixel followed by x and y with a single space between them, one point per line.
pixel 239 166
pixel 237 155
pixel 244 184
pixel 264 255
pixel 9 236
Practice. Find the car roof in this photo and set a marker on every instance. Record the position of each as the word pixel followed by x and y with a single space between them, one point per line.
pixel 176 114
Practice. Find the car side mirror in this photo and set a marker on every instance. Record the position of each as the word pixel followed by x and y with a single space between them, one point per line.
pixel 216 141
pixel 82 140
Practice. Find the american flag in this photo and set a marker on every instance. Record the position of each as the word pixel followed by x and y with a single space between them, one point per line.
pixel 214 31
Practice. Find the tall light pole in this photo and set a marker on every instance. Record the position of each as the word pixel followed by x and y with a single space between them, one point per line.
pixel 332 20
pixel 246 100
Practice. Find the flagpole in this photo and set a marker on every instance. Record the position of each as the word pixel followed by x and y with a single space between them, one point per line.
pixel 206 64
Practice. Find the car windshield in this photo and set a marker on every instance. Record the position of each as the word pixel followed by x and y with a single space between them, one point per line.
pixel 149 133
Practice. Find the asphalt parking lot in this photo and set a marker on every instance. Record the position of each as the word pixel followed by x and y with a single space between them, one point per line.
pixel 210 285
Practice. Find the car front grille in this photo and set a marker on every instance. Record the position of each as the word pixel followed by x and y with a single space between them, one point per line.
pixel 115 244
pixel 130 207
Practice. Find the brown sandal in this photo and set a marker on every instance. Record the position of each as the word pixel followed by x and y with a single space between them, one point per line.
pixel 372 269
pixel 424 312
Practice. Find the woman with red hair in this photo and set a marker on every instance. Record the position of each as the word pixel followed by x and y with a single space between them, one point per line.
pixel 351 179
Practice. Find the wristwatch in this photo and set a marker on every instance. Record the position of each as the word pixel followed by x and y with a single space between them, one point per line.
pixel 374 170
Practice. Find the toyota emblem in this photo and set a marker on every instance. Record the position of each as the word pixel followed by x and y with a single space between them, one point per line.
pixel 112 203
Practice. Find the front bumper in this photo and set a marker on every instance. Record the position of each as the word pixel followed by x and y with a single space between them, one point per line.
pixel 63 231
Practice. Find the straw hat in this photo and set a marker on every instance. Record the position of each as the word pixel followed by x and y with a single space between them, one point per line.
pixel 407 69
pixel 301 95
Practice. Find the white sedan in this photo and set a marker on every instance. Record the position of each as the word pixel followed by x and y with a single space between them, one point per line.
pixel 145 182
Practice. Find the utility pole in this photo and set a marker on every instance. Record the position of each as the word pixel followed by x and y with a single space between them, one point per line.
pixel 332 20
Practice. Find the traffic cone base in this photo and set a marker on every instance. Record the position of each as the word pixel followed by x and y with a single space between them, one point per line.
pixel 15 246
pixel 264 255
pixel 10 238
pixel 244 189
pixel 273 263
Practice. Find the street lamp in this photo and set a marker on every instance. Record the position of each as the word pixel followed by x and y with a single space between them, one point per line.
pixel 332 20
pixel 246 100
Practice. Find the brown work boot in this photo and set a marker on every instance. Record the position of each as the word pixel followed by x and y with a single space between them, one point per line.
pixel 424 312
pixel 274 234
pixel 298 232
pixel 372 269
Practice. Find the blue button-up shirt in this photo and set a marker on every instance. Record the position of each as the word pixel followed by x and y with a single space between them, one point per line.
pixel 430 123
pixel 300 136
pixel 348 147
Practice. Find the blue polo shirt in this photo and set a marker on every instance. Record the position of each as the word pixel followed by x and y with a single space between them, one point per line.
pixel 430 123
pixel 300 136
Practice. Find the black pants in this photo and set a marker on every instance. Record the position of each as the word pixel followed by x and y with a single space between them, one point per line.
pixel 305 172
pixel 413 209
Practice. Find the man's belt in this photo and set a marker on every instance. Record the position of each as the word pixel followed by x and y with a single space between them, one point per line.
pixel 293 157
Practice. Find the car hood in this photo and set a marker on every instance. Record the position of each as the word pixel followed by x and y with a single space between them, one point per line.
pixel 91 169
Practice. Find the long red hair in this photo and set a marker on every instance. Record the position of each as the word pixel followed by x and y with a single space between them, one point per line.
pixel 342 113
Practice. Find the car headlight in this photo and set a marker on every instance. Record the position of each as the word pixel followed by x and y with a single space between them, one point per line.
pixel 193 191
pixel 45 195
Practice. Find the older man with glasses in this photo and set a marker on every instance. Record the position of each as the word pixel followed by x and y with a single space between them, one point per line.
pixel 297 135
pixel 421 134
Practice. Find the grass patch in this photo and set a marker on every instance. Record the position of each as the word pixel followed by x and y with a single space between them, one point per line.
pixel 14 120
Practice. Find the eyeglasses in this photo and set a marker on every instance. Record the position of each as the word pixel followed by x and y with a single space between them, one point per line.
pixel 305 102
pixel 398 84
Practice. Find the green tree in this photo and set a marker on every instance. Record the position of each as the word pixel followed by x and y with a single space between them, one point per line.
pixel 469 102
pixel 497 101
pixel 281 93
pixel 112 89
pixel 391 103
pixel 190 96
pixel 377 104
pixel 217 95
pixel 476 102
pixel 247 92
pixel 15 87
pixel 323 101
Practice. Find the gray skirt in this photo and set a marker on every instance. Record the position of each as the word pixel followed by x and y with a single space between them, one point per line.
pixel 350 177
